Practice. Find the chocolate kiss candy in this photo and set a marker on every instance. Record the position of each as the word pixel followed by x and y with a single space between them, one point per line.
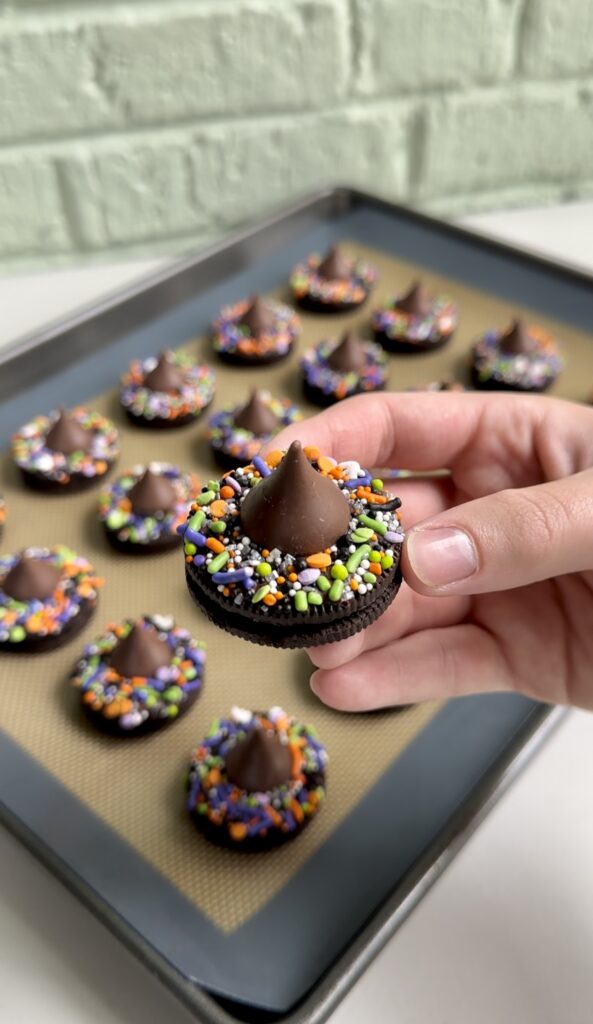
pixel 140 653
pixel 67 436
pixel 295 508
pixel 416 301
pixel 259 318
pixel 257 416
pixel 259 763
pixel 348 356
pixel 335 266
pixel 517 341
pixel 165 376
pixel 31 580
pixel 152 493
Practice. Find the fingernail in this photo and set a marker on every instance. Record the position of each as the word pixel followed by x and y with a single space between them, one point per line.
pixel 441 556
pixel 312 682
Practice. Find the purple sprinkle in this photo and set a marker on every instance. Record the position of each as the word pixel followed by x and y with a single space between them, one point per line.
pixel 351 484
pixel 394 538
pixel 199 559
pixel 309 576
pixel 230 480
pixel 193 537
pixel 181 529
pixel 261 466
pixel 235 576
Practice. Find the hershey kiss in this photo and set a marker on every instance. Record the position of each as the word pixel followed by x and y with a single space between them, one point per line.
pixel 260 762
pixel 152 493
pixel 67 436
pixel 140 653
pixel 348 356
pixel 258 318
pixel 517 341
pixel 257 416
pixel 31 579
pixel 335 266
pixel 295 508
pixel 416 301
pixel 165 376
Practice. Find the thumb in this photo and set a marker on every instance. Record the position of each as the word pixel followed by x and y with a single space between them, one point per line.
pixel 505 540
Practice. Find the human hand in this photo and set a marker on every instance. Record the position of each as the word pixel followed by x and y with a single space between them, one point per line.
pixel 498 558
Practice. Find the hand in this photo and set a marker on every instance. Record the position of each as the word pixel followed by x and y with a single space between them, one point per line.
pixel 498 558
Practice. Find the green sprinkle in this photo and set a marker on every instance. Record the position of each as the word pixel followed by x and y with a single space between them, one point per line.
pixel 375 556
pixel 264 569
pixel 356 558
pixel 313 597
pixel 197 521
pixel 214 728
pixel 339 572
pixel 260 593
pixel 190 549
pixel 190 673
pixel 362 534
pixel 386 561
pixel 172 710
pixel 206 497
pixel 374 524
pixel 300 601
pixel 377 484
pixel 212 485
pixel 17 633
pixel 218 526
pixel 369 577
pixel 150 701
pixel 117 518
pixel 202 808
pixel 173 694
pixel 218 562
pixel 337 589
pixel 323 583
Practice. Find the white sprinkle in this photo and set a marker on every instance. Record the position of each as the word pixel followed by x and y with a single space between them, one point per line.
pixel 362 588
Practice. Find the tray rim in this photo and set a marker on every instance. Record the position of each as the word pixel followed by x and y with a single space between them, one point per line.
pixel 329 203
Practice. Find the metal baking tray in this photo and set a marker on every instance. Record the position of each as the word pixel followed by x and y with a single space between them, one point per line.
pixel 340 912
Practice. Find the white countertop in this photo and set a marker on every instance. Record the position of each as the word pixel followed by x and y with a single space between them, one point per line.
pixel 504 937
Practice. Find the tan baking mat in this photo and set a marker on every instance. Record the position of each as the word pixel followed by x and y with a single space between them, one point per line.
pixel 137 786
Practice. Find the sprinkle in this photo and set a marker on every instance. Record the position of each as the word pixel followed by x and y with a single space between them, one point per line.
pixel 205 498
pixel 263 569
pixel 260 593
pixel 394 538
pixel 361 535
pixel 313 597
pixel 217 563
pixel 386 562
pixel 377 484
pixel 339 572
pixel 300 601
pixel 234 576
pixel 319 561
pixel 355 559
pixel 373 524
pixel 336 590
pixel 261 466
pixel 308 576
pixel 323 583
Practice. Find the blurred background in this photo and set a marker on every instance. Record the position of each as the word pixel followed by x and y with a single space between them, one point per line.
pixel 153 126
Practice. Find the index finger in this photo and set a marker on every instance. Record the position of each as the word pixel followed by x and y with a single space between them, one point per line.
pixel 408 430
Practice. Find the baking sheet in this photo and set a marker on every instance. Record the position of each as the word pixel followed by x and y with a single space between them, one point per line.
pixel 157 826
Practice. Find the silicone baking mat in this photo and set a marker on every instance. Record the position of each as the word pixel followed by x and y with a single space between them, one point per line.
pixel 135 788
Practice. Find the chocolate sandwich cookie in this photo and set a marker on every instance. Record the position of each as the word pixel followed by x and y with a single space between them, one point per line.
pixel 143 508
pixel 256 780
pixel 335 370
pixel 294 550
pixel 519 358
pixel 415 321
pixel 255 332
pixel 334 283
pixel 47 596
pixel 140 676
pixel 65 452
pixel 237 434
pixel 170 390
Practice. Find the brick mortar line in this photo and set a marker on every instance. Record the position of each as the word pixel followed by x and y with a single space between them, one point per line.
pixel 356 104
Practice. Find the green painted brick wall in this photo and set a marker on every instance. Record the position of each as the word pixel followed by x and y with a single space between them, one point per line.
pixel 152 125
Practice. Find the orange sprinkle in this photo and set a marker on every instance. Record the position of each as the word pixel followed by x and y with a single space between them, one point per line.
pixel 88 697
pixel 297 761
pixel 292 577
pixel 280 579
pixel 213 777
pixel 226 592
pixel 319 561
pixel 312 452
pixel 297 810
pixel 226 492
pixel 325 464
pixel 375 568
pixel 215 545
pixel 269 599
pixel 353 585
pixel 265 552
pixel 237 830
pixel 218 508
pixel 274 458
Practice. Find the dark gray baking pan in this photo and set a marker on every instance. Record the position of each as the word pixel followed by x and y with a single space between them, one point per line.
pixel 340 911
